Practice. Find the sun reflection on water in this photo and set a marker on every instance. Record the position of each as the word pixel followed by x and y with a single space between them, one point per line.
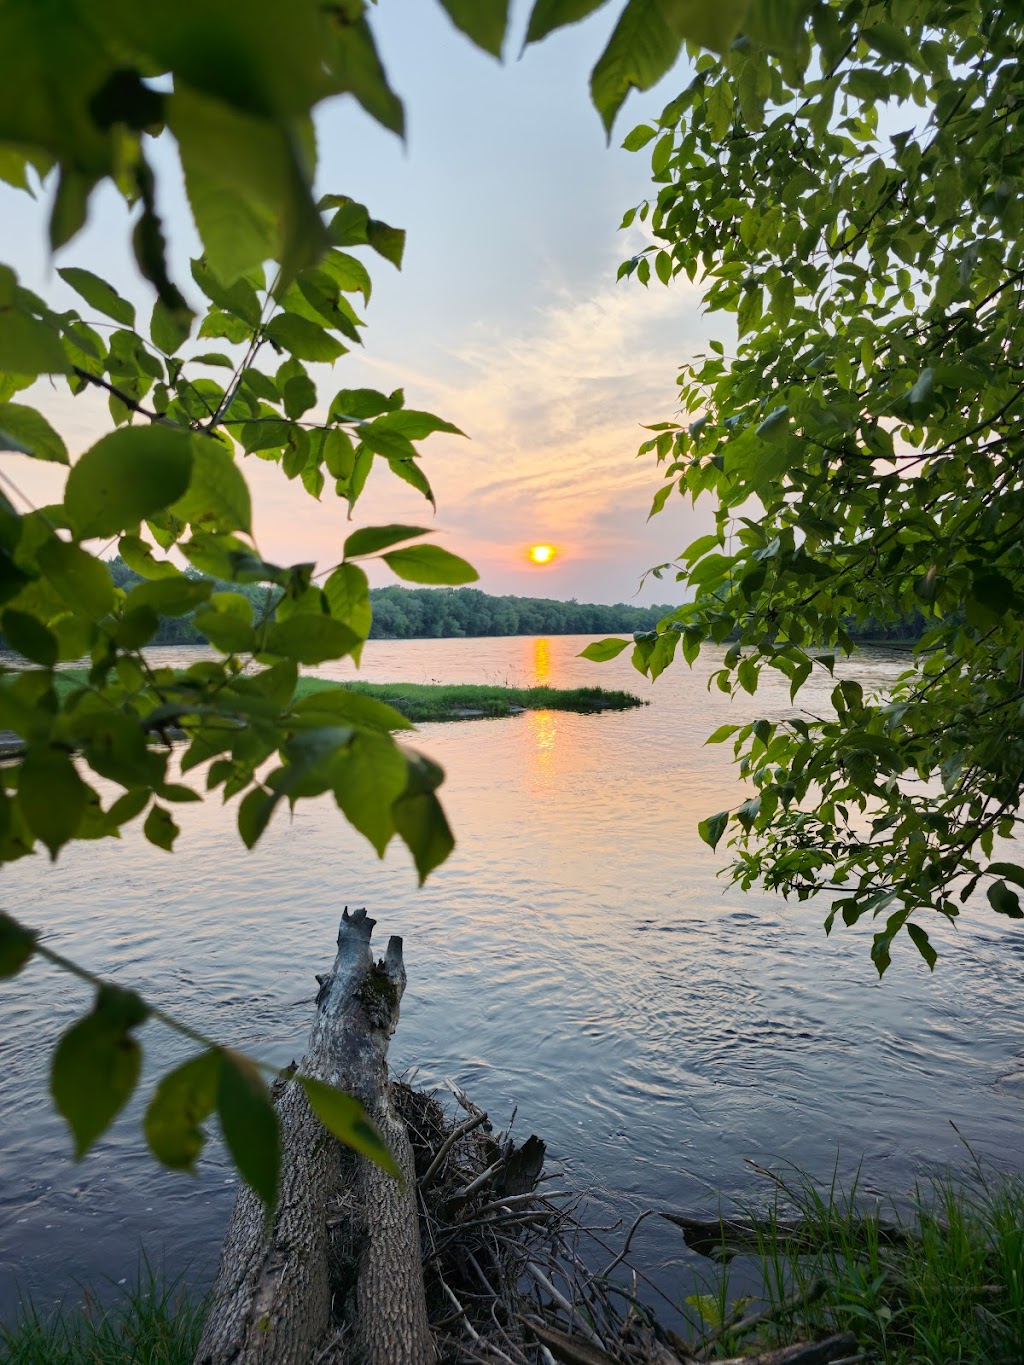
pixel 541 660
pixel 543 731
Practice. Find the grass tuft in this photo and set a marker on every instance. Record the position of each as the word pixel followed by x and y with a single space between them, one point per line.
pixel 156 1323
pixel 942 1284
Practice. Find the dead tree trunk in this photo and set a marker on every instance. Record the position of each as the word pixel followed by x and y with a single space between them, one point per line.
pixel 272 1296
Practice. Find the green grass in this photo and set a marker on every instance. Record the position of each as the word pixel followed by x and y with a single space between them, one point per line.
pixel 157 1323
pixel 947 1289
pixel 440 701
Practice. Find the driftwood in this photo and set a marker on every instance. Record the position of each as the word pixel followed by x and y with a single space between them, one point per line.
pixel 722 1238
pixel 272 1296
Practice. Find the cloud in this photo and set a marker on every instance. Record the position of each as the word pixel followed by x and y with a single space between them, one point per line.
pixel 554 411
pixel 553 408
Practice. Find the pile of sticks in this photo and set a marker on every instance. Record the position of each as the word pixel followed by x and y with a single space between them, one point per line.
pixel 474 1255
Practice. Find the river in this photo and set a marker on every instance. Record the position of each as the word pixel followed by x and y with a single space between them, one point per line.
pixel 576 957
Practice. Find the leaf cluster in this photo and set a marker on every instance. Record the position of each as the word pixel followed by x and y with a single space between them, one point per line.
pixel 852 204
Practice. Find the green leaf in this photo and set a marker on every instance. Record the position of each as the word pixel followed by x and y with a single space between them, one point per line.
pixel 646 41
pixel 639 137
pixel 126 477
pixel 1010 871
pixel 304 339
pixel 28 346
pixel 348 273
pixel 414 424
pixel 160 828
pixel 348 595
pixel 891 42
pixel 239 298
pixel 140 558
pixel 96 1065
pixel 1004 901
pixel 600 651
pixel 311 639
pixel 25 430
pixel 248 181
pixel 340 703
pixel 386 240
pixel 28 636
pixel 368 777
pixel 254 812
pixel 249 1125
pixel 346 1118
pixel 419 819
pixel 923 945
pixel 52 797
pixel 359 70
pixel 369 539
pixel 183 1099
pixel 547 15
pixel 358 404
pixel 169 329
pixel 17 944
pixel 99 294
pixel 217 498
pixel 299 395
pixel 226 630
pixel 169 596
pixel 723 733
pixel 484 21
pixel 712 829
pixel 430 564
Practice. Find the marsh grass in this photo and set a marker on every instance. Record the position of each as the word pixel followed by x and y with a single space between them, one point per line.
pixel 941 1283
pixel 442 701
pixel 421 702
pixel 156 1323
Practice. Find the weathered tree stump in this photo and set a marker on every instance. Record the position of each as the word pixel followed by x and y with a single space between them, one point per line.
pixel 272 1299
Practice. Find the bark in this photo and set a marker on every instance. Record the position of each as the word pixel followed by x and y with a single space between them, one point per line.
pixel 272 1299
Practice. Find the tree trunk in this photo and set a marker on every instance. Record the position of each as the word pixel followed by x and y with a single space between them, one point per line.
pixel 272 1299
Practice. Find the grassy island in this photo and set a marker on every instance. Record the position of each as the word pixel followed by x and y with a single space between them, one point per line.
pixel 421 702
pixel 473 701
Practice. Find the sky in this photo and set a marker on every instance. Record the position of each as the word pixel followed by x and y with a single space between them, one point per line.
pixel 506 318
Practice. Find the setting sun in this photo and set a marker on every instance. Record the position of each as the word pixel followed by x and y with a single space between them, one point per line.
pixel 542 554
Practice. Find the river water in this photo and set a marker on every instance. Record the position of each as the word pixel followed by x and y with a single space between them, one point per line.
pixel 576 957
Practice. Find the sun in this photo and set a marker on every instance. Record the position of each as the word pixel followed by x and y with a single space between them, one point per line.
pixel 542 554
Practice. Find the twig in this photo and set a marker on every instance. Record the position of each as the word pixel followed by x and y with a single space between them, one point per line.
pixel 647 1213
pixel 564 1304
pixel 569 1348
pixel 449 1142
pixel 484 1178
pixel 502 1205
pixel 463 1098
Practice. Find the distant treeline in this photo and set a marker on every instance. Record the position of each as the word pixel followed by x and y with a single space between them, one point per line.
pixel 434 613
pixel 438 613
pixel 430 613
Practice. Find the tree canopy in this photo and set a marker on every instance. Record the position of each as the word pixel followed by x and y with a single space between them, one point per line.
pixel 848 200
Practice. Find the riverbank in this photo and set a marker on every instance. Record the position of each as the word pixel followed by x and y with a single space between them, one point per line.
pixel 943 1282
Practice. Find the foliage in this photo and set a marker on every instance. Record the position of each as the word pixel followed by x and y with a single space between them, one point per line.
pixel 84 89
pixel 850 200
pixel 941 1281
